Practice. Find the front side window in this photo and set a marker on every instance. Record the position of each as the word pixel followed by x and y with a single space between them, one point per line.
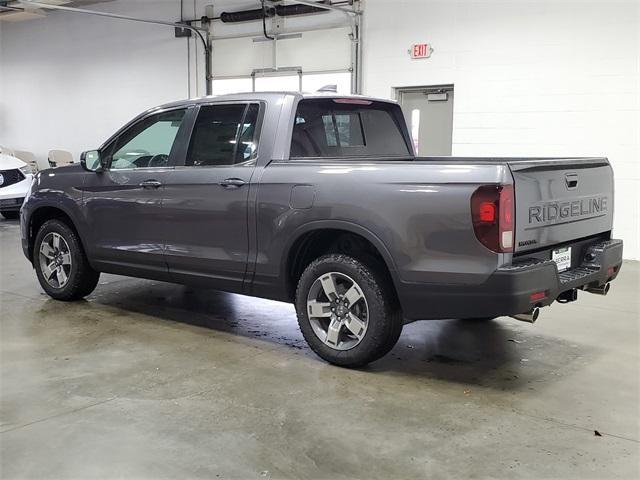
pixel 347 128
pixel 148 143
pixel 223 135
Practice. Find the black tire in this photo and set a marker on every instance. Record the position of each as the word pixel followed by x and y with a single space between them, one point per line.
pixel 384 322
pixel 10 214
pixel 82 279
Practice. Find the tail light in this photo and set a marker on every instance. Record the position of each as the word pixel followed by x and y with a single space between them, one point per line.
pixel 492 214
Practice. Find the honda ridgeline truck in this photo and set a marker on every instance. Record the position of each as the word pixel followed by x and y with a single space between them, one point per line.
pixel 320 201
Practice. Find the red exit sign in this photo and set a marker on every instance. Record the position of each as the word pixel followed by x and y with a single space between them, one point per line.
pixel 421 50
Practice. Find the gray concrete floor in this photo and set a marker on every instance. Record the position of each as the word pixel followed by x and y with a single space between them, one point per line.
pixel 151 380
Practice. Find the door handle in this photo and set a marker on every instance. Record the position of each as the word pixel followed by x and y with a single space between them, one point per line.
pixel 151 184
pixel 232 183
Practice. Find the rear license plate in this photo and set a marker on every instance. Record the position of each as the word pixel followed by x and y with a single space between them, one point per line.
pixel 562 257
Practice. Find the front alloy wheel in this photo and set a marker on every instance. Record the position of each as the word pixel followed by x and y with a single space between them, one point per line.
pixel 60 262
pixel 55 260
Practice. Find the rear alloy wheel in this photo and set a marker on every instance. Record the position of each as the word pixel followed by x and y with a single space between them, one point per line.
pixel 347 310
pixel 61 264
pixel 337 310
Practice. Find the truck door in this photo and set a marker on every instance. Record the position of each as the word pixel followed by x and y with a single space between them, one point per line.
pixel 123 204
pixel 205 199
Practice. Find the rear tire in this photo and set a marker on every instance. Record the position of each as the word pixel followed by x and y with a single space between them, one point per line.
pixel 10 214
pixel 347 310
pixel 61 264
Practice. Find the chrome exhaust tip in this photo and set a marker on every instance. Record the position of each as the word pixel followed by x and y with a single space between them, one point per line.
pixel 600 290
pixel 529 317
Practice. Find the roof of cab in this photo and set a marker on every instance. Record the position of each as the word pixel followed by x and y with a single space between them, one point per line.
pixel 266 96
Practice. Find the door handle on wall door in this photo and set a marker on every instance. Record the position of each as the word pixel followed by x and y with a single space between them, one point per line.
pixel 151 184
pixel 232 183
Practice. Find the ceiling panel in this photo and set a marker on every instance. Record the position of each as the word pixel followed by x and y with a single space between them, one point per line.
pixel 27 12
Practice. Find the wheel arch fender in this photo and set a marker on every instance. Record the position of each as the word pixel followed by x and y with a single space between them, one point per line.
pixel 44 211
pixel 345 226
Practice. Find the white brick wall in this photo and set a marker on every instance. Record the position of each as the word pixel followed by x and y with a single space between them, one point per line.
pixel 550 78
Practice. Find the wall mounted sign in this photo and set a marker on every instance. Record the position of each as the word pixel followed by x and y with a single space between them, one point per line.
pixel 420 50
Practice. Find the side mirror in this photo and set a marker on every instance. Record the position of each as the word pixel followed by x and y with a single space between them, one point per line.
pixel 90 161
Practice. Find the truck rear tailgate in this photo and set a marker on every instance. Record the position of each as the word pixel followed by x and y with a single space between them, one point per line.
pixel 560 200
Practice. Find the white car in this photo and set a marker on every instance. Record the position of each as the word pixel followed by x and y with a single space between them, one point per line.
pixel 15 180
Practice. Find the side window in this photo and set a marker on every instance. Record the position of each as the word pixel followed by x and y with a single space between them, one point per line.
pixel 343 129
pixel 148 143
pixel 349 127
pixel 223 135
pixel 329 131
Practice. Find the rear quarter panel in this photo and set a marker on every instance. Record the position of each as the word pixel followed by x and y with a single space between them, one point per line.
pixel 416 212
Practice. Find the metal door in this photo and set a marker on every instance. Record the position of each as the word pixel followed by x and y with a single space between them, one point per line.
pixel 429 115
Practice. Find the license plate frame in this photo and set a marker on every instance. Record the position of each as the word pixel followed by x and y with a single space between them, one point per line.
pixel 562 258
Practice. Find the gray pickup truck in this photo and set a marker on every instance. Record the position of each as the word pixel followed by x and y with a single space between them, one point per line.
pixel 320 201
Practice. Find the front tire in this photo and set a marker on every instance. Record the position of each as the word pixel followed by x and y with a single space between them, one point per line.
pixel 10 214
pixel 61 264
pixel 347 310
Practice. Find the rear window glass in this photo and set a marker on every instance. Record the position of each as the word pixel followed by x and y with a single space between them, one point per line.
pixel 338 128
pixel 223 135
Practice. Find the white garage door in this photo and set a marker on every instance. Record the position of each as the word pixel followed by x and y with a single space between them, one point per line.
pixel 307 63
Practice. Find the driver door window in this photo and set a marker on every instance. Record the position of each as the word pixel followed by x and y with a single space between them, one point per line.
pixel 148 143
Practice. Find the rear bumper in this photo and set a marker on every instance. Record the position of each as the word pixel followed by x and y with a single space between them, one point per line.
pixel 508 291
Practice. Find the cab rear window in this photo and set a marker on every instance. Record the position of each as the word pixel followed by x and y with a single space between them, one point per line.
pixel 348 128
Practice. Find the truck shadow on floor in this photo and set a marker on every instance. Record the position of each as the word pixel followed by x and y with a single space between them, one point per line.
pixel 497 354
pixel 501 354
